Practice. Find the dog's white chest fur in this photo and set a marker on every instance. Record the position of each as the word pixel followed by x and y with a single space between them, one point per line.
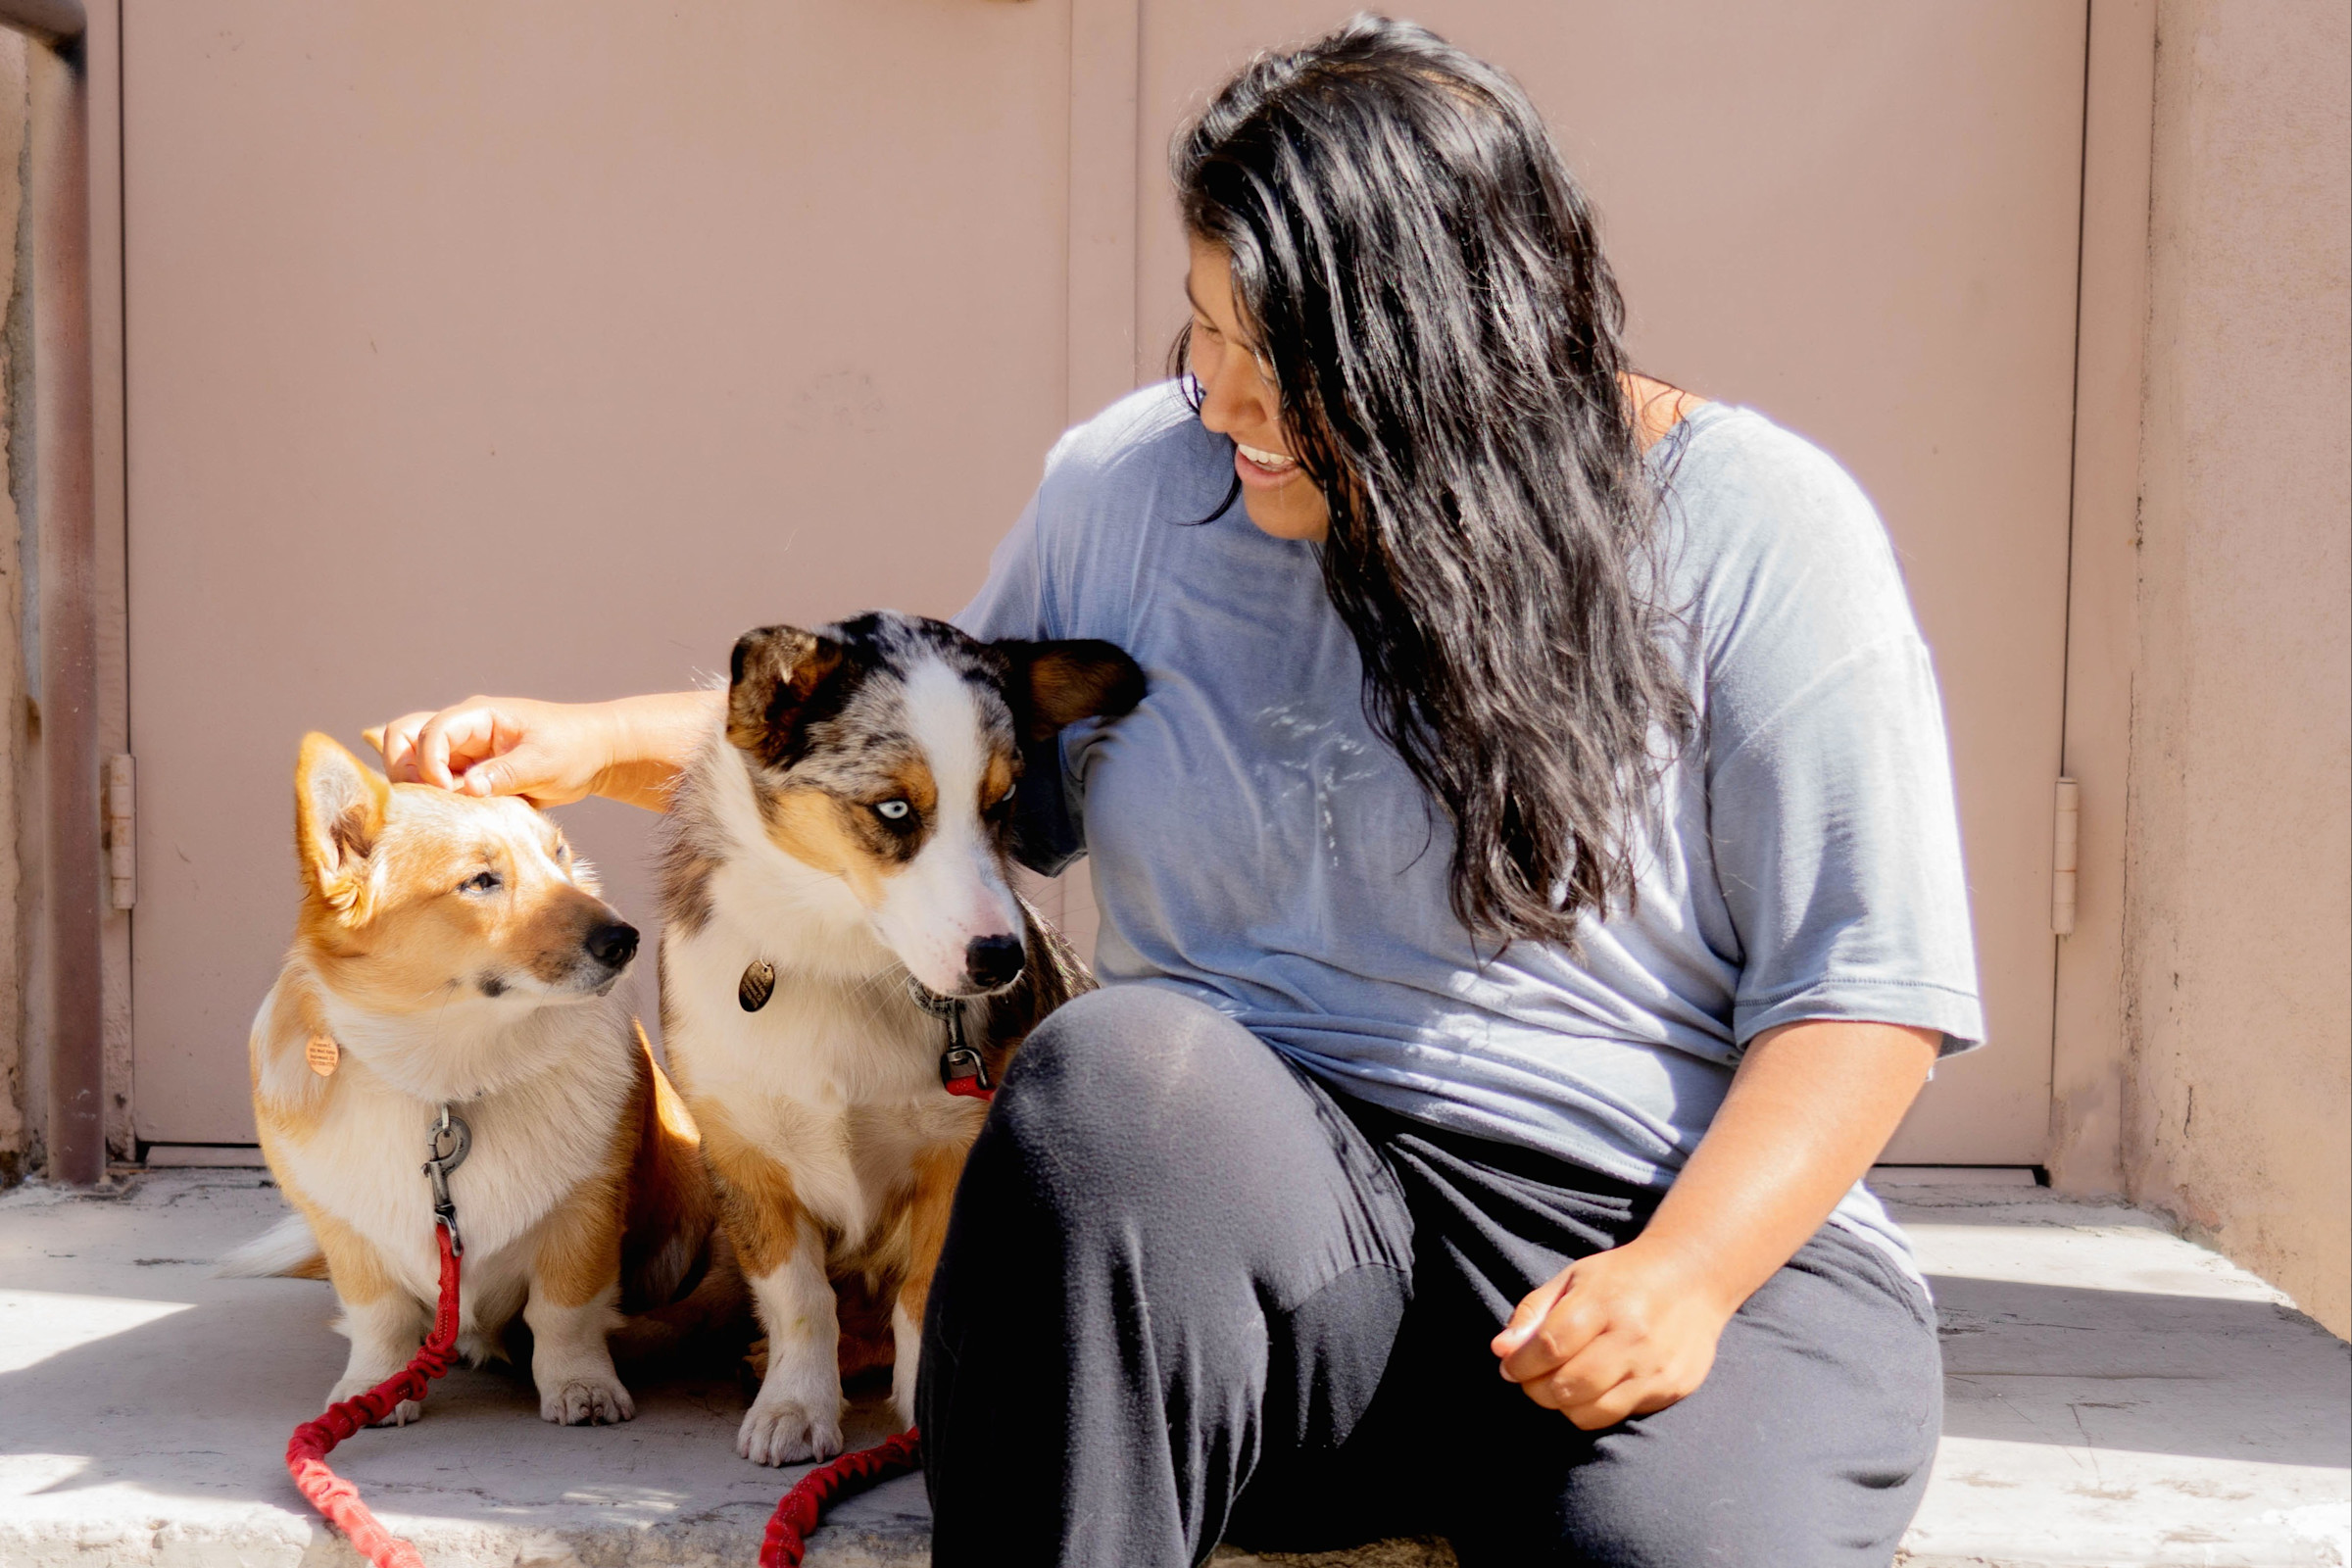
pixel 360 1159
pixel 837 1081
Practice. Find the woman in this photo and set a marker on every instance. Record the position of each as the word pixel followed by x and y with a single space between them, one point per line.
pixel 1531 898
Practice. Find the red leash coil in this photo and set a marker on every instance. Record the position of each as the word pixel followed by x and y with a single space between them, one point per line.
pixel 785 1541
pixel 787 1538
pixel 306 1453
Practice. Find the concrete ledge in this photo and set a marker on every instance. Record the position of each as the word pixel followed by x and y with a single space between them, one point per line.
pixel 2116 1396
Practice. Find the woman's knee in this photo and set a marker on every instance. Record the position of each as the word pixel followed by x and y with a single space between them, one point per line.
pixel 1129 1071
pixel 1135 1102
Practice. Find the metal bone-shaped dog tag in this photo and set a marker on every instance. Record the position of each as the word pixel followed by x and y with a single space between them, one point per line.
pixel 758 985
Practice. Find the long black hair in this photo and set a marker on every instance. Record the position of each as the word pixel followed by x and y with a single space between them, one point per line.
pixel 1425 281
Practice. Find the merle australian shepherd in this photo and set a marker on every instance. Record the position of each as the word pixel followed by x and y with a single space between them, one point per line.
pixel 842 940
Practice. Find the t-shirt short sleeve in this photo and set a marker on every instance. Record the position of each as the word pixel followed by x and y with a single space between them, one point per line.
pixel 1830 813
pixel 1011 603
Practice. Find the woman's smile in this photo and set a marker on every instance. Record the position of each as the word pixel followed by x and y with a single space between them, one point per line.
pixel 1261 470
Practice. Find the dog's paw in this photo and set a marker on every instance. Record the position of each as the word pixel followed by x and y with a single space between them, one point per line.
pixel 400 1415
pixel 787 1432
pixel 587 1402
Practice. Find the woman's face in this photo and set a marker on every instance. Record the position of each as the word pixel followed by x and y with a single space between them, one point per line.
pixel 1238 401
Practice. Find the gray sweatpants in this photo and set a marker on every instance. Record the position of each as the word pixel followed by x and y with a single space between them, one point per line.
pixel 1190 1294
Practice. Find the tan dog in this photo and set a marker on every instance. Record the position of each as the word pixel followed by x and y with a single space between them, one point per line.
pixel 453 952
pixel 845 833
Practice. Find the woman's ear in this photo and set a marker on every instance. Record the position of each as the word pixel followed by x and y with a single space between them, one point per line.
pixel 773 676
pixel 339 805
pixel 1058 683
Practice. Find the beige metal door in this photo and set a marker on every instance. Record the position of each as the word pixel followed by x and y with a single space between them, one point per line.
pixel 544 347
pixel 541 348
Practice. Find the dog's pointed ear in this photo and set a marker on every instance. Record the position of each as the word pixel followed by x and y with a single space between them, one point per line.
pixel 775 678
pixel 1058 683
pixel 339 805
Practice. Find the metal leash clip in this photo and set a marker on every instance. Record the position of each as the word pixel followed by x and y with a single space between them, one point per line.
pixel 959 1064
pixel 446 1147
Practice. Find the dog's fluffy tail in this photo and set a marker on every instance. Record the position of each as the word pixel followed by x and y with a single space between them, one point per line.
pixel 286 1249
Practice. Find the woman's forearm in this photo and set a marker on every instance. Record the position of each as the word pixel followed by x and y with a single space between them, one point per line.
pixel 652 739
pixel 1809 1111
pixel 550 754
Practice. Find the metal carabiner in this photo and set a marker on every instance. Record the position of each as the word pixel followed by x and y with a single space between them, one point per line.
pixel 446 1146
pixel 947 1009
pixel 959 1064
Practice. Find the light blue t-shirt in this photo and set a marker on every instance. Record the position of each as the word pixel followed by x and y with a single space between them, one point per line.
pixel 1255 845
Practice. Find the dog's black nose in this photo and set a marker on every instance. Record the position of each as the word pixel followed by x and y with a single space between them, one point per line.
pixel 993 961
pixel 612 945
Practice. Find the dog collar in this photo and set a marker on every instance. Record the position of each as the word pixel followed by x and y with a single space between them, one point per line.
pixel 961 1071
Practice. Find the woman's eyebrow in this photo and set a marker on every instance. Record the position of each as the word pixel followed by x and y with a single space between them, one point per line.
pixel 1201 311
pixel 1211 322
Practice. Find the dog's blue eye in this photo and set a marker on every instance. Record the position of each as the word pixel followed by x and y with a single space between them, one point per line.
pixel 480 882
pixel 893 810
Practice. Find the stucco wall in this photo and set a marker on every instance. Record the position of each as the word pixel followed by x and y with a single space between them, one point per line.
pixel 15 1128
pixel 2238 920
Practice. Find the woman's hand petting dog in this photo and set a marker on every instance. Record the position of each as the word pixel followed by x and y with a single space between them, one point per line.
pixel 550 754
pixel 1619 1334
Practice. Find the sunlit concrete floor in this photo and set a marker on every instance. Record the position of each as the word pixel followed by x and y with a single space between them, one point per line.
pixel 2115 1395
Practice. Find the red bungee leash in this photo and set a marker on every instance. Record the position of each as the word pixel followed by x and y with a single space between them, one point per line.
pixel 306 1453
pixel 786 1540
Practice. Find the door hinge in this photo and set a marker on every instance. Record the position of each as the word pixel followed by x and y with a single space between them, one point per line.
pixel 121 832
pixel 2066 843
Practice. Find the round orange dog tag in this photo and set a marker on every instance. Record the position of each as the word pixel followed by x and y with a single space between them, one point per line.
pixel 322 1054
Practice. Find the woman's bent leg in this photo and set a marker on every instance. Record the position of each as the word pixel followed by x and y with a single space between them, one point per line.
pixel 1807 1446
pixel 1172 1258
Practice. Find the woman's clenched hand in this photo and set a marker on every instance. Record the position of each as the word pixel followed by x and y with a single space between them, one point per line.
pixel 1619 1334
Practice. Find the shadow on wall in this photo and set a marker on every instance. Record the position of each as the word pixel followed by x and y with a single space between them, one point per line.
pixel 2130 1370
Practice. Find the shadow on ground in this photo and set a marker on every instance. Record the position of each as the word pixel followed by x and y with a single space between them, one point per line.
pixel 196 1395
pixel 2187 1375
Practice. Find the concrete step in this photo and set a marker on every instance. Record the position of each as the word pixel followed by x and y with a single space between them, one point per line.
pixel 2115 1397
